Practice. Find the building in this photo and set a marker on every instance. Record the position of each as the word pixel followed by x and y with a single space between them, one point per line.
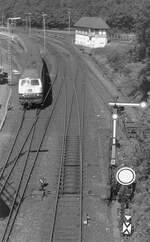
pixel 91 32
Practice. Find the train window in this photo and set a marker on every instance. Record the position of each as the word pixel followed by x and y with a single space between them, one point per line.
pixel 34 82
pixel 24 82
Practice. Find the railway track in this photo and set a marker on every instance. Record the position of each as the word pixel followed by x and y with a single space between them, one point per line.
pixel 68 186
pixel 29 162
pixel 67 217
pixel 20 163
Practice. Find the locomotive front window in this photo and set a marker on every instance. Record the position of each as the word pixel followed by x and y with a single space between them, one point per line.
pixel 25 81
pixel 34 82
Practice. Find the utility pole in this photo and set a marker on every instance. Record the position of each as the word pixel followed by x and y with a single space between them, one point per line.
pixel 69 14
pixel 44 28
pixel 2 18
pixel 9 50
pixel 29 23
pixel 9 55
pixel 26 19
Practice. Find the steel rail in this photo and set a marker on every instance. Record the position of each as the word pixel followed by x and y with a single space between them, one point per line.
pixel 18 188
pixel 59 174
pixel 101 97
pixel 17 158
pixel 6 237
pixel 13 145
pixel 80 120
pixel 38 112
pixel 81 176
pixel 81 127
pixel 61 168
pixel 91 71
pixel 26 139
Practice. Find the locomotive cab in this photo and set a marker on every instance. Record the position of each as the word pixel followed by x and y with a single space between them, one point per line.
pixel 30 90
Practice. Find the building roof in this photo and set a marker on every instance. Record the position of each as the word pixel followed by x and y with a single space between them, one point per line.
pixel 92 22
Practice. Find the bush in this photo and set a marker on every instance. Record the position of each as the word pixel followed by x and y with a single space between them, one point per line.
pixel 117 60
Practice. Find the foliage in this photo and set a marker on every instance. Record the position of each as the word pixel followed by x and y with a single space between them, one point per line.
pixel 143 27
pixel 141 205
pixel 116 60
pixel 119 55
pixel 120 14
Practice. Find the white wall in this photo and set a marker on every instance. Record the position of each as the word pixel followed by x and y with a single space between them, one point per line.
pixel 91 41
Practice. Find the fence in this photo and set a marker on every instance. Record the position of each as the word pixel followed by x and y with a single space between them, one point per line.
pixel 123 37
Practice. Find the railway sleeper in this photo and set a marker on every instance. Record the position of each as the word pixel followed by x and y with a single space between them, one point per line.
pixel 71 178
pixel 69 200
pixel 72 154
pixel 72 162
pixel 70 190
pixel 72 173
pixel 71 181
pixel 70 158
pixel 8 196
pixel 70 193
pixel 72 234
pixel 70 221
pixel 72 137
pixel 72 142
pixel 72 186
pixel 60 239
pixel 71 165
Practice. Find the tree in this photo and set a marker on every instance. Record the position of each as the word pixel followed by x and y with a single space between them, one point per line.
pixel 143 26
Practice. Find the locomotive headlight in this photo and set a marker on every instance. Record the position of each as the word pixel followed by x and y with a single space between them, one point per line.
pixel 40 89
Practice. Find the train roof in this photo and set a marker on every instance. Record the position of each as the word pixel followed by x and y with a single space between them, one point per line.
pixel 31 73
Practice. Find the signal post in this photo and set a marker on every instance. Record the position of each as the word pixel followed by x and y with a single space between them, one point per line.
pixel 116 106
pixel 124 176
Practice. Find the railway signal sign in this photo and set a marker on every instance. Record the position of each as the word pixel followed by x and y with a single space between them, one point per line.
pixel 125 176
pixel 127 217
pixel 127 226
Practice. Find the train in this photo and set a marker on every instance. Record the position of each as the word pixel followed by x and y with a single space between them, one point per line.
pixel 31 87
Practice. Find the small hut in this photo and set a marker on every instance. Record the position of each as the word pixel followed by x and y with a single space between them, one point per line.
pixel 91 32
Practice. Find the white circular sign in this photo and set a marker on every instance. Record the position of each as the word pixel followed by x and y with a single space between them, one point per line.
pixel 125 176
pixel 115 116
pixel 143 104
